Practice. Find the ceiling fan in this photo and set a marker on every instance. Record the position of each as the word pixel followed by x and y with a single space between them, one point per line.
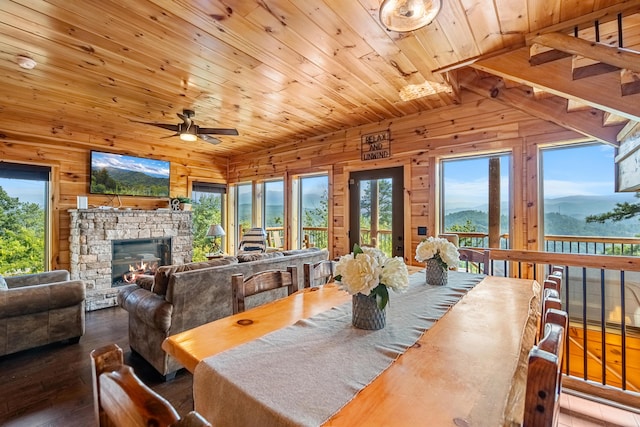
pixel 189 131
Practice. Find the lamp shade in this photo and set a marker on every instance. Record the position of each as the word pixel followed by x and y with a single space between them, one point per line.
pixel 215 230
pixel 408 15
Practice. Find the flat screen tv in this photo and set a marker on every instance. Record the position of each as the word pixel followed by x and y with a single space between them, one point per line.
pixel 128 175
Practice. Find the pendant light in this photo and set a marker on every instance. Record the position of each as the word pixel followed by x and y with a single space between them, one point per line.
pixel 408 15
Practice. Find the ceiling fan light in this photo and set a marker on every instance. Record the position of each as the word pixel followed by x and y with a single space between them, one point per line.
pixel 188 137
pixel 408 15
pixel 188 131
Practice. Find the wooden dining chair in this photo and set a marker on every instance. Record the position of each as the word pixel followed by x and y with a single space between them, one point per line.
pixel 555 276
pixel 122 400
pixel 319 273
pixel 550 300
pixel 262 282
pixel 558 317
pixel 544 378
pixel 475 260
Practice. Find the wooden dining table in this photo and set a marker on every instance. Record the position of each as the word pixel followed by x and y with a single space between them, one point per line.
pixel 468 369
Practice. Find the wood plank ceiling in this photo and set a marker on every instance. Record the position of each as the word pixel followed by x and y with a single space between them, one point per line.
pixel 286 70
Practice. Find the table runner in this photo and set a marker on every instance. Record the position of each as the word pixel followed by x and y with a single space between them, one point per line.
pixel 303 374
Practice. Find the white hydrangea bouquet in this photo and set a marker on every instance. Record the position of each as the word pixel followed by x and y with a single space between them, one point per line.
pixel 440 250
pixel 369 271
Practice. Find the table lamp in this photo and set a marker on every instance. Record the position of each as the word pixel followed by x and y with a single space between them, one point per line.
pixel 215 231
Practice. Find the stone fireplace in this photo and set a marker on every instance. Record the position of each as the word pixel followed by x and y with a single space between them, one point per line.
pixel 93 233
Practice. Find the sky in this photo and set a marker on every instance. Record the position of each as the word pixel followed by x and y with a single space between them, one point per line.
pixel 26 191
pixel 587 170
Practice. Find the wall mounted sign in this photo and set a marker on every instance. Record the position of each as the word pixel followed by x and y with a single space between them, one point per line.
pixel 376 146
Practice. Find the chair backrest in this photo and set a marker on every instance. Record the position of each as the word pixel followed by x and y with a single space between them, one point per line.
pixel 453 238
pixel 274 239
pixel 474 260
pixel 556 279
pixel 255 239
pixel 262 282
pixel 544 378
pixel 550 300
pixel 121 399
pixel 558 317
pixel 551 297
pixel 319 273
pixel 557 269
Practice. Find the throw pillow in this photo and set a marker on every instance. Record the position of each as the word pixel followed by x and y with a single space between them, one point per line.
pixel 252 249
pixel 145 281
pixel 3 284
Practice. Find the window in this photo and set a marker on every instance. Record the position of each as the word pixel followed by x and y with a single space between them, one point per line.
pixel 579 181
pixel 244 208
pixel 311 211
pixel 23 218
pixel 273 212
pixel 208 209
pixel 475 199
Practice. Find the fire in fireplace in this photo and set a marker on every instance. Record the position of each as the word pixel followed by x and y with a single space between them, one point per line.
pixel 133 257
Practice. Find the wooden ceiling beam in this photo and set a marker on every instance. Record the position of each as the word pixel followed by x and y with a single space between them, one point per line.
pixel 582 67
pixel 553 109
pixel 618 57
pixel 626 7
pixel 602 91
pixel 614 119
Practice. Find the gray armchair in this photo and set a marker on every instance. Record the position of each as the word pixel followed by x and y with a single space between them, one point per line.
pixel 39 309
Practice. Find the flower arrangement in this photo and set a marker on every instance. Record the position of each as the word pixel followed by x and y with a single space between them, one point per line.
pixel 439 249
pixel 369 271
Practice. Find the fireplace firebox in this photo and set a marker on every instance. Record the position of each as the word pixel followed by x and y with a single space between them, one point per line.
pixel 137 256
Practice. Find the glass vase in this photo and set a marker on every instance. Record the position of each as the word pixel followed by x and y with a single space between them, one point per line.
pixel 436 274
pixel 366 313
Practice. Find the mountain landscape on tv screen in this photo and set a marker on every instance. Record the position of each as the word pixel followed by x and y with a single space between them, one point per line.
pixel 128 183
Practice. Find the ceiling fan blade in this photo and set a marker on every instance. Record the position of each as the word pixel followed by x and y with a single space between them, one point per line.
pixel 217 131
pixel 207 138
pixel 167 126
pixel 170 136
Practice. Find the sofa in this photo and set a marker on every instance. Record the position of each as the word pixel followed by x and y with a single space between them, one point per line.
pixel 181 297
pixel 39 309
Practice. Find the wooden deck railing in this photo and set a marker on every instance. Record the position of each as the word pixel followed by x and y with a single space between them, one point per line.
pixel 601 294
pixel 597 245
pixel 312 236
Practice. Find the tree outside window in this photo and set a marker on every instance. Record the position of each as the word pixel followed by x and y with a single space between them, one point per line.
pixel 22 230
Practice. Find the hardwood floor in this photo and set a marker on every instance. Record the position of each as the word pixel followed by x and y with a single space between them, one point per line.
pixel 51 386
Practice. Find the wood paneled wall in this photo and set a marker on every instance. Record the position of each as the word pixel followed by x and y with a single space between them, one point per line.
pixel 69 160
pixel 476 126
pixel 418 142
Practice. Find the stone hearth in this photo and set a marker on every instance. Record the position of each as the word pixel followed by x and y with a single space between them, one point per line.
pixel 91 233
